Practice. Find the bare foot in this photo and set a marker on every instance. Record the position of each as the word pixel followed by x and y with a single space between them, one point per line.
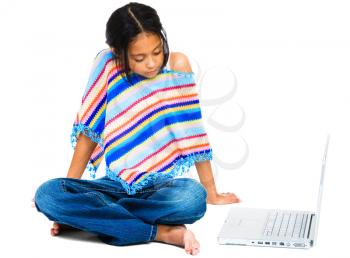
pixel 178 235
pixel 58 228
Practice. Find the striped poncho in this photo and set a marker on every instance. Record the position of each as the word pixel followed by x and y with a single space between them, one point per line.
pixel 147 130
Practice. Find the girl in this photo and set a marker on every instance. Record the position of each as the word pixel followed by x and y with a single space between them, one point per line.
pixel 140 113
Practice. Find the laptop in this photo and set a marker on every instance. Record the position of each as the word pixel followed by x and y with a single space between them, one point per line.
pixel 273 228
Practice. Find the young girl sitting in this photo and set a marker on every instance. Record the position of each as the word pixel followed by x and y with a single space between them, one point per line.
pixel 140 113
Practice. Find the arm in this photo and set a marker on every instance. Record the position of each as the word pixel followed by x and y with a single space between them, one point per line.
pixel 82 153
pixel 179 61
pixel 206 178
pixel 91 115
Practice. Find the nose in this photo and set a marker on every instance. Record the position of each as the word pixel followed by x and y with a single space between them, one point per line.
pixel 150 63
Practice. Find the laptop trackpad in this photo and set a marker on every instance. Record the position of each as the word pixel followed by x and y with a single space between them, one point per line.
pixel 248 223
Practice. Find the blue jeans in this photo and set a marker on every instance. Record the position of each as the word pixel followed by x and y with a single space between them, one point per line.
pixel 101 206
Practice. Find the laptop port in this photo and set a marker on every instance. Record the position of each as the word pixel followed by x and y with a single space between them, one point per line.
pixel 260 243
pixel 281 243
pixel 274 243
pixel 267 243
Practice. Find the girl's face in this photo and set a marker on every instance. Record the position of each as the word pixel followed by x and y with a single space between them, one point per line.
pixel 145 54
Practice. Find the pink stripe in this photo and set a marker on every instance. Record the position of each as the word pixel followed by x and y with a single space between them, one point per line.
pixel 166 162
pixel 155 153
pixel 146 97
pixel 97 79
pixel 96 152
pixel 147 111
pixel 133 177
pixel 183 152
pixel 92 108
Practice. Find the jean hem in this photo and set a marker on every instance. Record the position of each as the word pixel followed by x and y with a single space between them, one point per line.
pixel 154 229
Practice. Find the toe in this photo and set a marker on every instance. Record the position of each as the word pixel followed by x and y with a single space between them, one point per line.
pixel 195 251
pixel 191 244
pixel 54 232
pixel 195 248
pixel 188 247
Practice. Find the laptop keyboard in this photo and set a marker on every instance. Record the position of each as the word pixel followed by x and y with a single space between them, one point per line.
pixel 291 225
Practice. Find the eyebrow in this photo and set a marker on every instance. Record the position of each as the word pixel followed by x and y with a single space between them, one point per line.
pixel 142 54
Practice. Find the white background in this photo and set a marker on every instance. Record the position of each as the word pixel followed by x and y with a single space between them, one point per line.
pixel 291 63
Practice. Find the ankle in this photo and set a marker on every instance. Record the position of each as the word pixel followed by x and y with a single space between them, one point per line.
pixel 164 231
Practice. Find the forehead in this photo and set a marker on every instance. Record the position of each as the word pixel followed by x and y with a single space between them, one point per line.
pixel 144 43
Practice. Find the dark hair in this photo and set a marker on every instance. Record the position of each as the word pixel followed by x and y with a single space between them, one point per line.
pixel 126 23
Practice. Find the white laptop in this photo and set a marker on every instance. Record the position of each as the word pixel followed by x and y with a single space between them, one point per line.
pixel 273 228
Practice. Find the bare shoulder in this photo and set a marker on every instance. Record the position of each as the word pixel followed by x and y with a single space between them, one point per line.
pixel 179 62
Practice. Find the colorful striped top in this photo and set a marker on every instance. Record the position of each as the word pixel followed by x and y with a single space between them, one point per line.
pixel 147 130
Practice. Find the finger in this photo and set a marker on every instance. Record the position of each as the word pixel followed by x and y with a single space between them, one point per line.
pixel 233 199
pixel 227 193
pixel 234 196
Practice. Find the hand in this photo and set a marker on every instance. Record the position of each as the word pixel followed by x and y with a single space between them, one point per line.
pixel 223 198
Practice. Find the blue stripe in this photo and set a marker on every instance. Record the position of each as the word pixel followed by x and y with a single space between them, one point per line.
pixel 138 176
pixel 115 75
pixel 122 85
pixel 100 124
pixel 96 110
pixel 97 157
pixel 100 62
pixel 154 121
pixel 154 127
pixel 176 133
pixel 179 157
pixel 118 87
pixel 170 164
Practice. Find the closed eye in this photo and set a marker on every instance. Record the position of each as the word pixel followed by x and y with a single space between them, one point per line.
pixel 156 53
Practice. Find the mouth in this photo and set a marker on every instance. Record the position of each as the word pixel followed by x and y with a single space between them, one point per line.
pixel 152 72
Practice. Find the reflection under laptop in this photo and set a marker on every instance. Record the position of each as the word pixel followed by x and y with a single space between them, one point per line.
pixel 273 228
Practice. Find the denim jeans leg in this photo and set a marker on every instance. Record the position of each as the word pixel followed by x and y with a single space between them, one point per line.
pixel 92 205
pixel 179 201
